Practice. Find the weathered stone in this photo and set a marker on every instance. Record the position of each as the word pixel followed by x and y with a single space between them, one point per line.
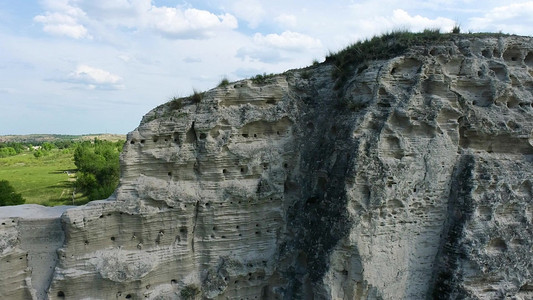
pixel 412 181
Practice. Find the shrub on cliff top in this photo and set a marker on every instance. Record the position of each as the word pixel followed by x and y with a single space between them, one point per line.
pixel 379 47
pixel 386 46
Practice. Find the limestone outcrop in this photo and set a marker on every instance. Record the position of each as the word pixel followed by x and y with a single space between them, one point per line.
pixel 412 179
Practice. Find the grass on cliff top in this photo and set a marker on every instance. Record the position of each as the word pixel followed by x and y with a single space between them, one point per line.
pixel 386 46
pixel 42 180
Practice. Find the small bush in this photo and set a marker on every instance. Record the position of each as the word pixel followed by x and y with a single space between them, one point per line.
pixel 262 79
pixel 196 97
pixel 223 82
pixel 189 292
pixel 456 29
pixel 176 103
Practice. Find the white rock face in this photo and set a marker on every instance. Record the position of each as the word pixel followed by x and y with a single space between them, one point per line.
pixel 412 180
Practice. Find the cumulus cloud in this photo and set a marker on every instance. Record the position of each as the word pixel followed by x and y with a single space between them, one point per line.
pixel 249 10
pixel 288 40
pixel 95 78
pixel 74 18
pixel 61 24
pixel 515 18
pixel 189 23
pixel 417 23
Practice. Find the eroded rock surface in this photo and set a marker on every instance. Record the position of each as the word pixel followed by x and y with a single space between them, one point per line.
pixel 411 181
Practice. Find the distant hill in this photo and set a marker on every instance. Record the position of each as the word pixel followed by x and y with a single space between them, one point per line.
pixel 41 138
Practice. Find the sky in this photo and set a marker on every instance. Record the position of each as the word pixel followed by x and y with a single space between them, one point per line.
pixel 97 66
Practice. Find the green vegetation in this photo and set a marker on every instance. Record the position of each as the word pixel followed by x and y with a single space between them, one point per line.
pixel 189 292
pixel 224 82
pixel 98 168
pixel 197 96
pixel 47 180
pixel 379 47
pixel 8 195
pixel 46 174
pixel 386 46
pixel 262 79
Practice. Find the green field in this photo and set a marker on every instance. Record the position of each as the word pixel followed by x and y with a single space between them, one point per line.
pixel 43 180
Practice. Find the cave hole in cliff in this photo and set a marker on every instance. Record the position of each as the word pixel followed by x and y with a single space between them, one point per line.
pixel 311 200
pixel 176 137
pixel 203 136
pixel 155 140
pixel 245 135
pixel 224 171
pixel 392 71
pixel 271 100
pixel 498 244
pixel 132 142
pixel 486 53
pixel 3 223
pixel 113 238
pixel 173 282
pixel 86 242
pixel 169 174
pixel 128 296
pixel 61 294
pixel 142 141
pixel 496 53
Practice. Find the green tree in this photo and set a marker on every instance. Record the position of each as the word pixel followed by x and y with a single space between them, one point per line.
pixel 98 168
pixel 47 146
pixel 7 151
pixel 8 195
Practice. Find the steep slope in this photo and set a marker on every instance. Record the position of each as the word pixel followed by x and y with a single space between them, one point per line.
pixel 407 178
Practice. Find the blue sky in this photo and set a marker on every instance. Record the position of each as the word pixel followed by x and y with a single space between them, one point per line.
pixel 96 66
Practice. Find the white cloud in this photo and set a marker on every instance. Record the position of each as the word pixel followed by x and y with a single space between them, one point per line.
pixel 61 24
pixel 288 40
pixel 249 10
pixel 286 20
pixel 515 18
pixel 419 23
pixel 95 78
pixel 189 23
pixel 74 18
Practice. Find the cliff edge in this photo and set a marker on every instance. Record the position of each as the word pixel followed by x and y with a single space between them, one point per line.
pixel 403 178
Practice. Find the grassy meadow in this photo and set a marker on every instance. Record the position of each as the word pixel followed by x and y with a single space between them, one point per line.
pixel 42 180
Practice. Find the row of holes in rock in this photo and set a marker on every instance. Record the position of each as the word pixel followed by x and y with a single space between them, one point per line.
pixel 202 136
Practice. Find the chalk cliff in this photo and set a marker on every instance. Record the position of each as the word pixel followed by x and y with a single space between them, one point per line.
pixel 411 178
